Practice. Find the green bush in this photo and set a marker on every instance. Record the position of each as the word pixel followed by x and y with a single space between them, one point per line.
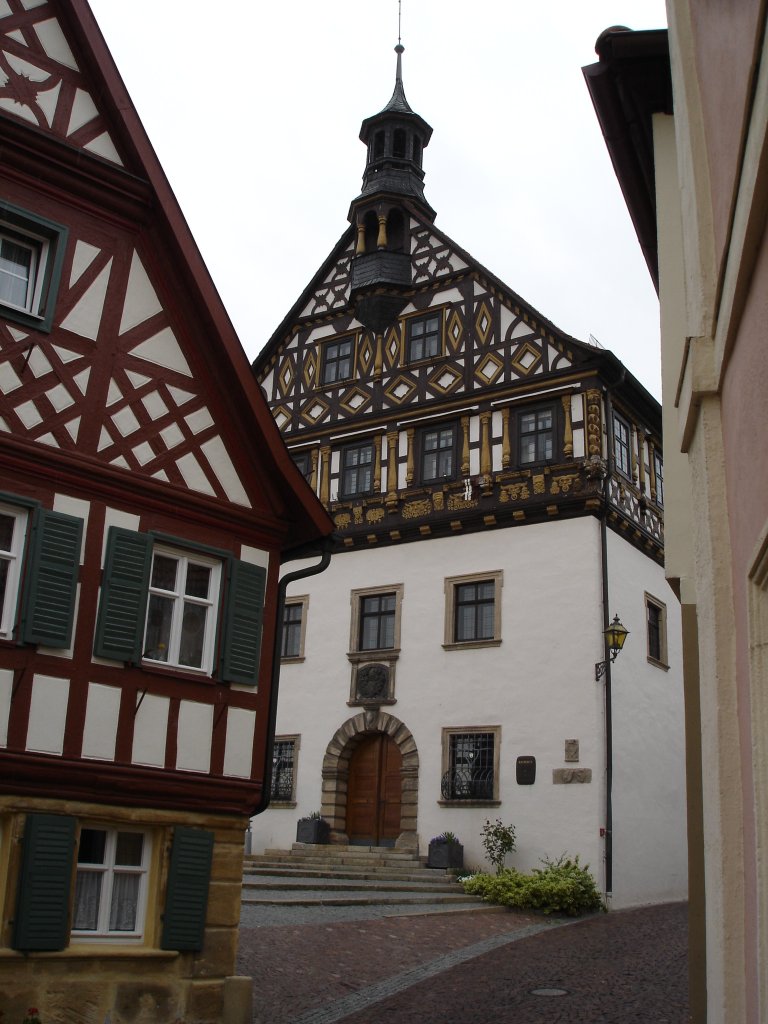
pixel 498 841
pixel 562 886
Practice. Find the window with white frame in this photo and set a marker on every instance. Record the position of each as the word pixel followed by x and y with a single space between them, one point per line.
pixel 656 630
pixel 473 610
pixel 110 884
pixel 181 610
pixel 13 527
pixel 470 764
pixel 31 257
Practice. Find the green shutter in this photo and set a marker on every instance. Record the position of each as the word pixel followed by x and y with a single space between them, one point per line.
pixel 242 627
pixel 42 905
pixel 186 902
pixel 51 579
pixel 120 624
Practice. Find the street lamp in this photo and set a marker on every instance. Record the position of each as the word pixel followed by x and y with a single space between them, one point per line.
pixel 615 635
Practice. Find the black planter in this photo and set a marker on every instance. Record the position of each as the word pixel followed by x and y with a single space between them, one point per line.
pixel 445 855
pixel 312 830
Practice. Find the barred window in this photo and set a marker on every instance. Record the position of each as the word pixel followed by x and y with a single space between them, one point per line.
pixel 283 770
pixel 470 767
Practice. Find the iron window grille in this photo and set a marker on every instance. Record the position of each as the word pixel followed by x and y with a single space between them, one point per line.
pixel 470 774
pixel 337 361
pixel 283 761
pixel 424 337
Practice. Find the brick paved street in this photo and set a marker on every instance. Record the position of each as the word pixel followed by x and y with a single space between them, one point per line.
pixel 627 967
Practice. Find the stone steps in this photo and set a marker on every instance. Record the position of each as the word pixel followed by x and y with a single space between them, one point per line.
pixel 350 876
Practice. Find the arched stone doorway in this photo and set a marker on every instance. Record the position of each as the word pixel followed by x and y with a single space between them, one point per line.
pixel 336 773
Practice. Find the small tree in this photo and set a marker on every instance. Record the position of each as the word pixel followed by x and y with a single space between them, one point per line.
pixel 498 840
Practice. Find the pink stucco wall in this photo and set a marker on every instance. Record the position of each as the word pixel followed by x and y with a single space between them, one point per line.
pixel 745 415
pixel 726 39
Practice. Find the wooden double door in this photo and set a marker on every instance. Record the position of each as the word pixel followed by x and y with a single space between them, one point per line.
pixel 374 792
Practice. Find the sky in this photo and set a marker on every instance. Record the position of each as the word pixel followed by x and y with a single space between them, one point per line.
pixel 254 110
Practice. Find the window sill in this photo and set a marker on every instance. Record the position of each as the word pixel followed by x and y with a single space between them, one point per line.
pixel 281 805
pixel 94 950
pixel 469 803
pixel 383 654
pixel 659 664
pixel 293 660
pixel 468 645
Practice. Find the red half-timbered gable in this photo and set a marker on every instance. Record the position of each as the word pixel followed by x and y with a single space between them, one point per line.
pixel 146 502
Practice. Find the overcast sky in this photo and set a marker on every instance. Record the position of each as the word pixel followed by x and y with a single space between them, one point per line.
pixel 254 110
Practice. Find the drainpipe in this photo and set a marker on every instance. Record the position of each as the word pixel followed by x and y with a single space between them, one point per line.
pixel 324 548
pixel 609 470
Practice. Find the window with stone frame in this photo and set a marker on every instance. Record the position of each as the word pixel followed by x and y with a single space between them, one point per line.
pixel 337 360
pixel 283 784
pixel 470 770
pixel 473 610
pixel 294 628
pixel 437 453
pixel 656 631
pixel 110 883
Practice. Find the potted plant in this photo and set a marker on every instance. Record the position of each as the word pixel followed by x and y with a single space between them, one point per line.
pixel 312 828
pixel 445 851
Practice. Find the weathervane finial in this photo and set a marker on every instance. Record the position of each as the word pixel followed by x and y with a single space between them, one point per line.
pixel 399 15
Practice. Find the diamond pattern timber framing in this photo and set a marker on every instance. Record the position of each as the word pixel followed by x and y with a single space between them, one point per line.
pixel 131 366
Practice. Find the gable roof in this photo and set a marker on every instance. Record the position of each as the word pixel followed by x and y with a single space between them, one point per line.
pixel 65 111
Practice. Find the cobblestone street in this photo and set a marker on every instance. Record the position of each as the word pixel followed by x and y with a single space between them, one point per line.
pixel 327 965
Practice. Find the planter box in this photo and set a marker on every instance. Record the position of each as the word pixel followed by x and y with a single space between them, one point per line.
pixel 445 855
pixel 312 830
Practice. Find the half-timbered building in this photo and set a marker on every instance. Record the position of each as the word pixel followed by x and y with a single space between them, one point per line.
pixel 146 502
pixel 497 490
